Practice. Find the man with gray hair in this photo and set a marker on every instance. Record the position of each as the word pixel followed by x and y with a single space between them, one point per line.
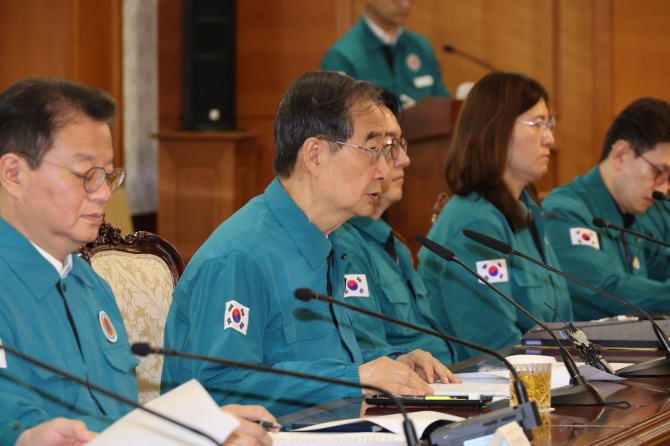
pixel 236 297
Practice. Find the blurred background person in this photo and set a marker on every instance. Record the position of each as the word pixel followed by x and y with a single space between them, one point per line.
pixel 379 49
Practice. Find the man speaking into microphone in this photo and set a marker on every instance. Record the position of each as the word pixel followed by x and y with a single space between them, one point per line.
pixel 635 163
pixel 236 300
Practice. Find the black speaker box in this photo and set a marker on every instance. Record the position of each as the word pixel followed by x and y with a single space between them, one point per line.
pixel 209 65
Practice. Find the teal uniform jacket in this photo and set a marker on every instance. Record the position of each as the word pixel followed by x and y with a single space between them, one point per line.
pixel 10 432
pixel 657 224
pixel 33 320
pixel 393 288
pixel 360 54
pixel 235 300
pixel 468 309
pixel 618 268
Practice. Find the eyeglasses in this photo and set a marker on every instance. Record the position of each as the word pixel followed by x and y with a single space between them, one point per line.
pixel 660 175
pixel 95 176
pixel 549 125
pixel 396 145
pixel 376 152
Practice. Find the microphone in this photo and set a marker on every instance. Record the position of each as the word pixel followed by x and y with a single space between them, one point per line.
pixel 109 393
pixel 579 392
pixel 655 367
pixel 145 349
pixel 451 49
pixel 602 223
pixel 656 195
pixel 525 413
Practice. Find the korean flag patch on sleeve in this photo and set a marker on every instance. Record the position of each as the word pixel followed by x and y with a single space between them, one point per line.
pixel 356 285
pixel 494 270
pixel 584 236
pixel 236 317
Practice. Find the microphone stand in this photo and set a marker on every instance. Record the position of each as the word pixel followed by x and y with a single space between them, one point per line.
pixel 654 367
pixel 104 391
pixel 526 412
pixel 602 223
pixel 477 60
pixel 656 195
pixel 144 349
pixel 579 392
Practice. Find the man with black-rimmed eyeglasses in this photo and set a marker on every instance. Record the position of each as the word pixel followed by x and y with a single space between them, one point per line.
pixel 635 163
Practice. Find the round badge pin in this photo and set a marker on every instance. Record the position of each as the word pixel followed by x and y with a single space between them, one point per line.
pixel 636 263
pixel 413 62
pixel 107 327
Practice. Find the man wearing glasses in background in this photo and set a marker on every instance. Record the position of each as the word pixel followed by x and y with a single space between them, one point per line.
pixel 380 276
pixel 635 162
pixel 236 299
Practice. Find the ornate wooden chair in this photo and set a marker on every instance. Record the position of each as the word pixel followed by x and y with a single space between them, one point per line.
pixel 142 269
pixel 440 202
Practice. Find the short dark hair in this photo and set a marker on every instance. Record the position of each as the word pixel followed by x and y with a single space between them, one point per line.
pixel 391 101
pixel 34 109
pixel 643 123
pixel 477 155
pixel 317 104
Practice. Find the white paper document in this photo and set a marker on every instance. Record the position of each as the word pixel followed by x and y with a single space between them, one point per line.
pixel 393 423
pixel 189 404
pixel 496 382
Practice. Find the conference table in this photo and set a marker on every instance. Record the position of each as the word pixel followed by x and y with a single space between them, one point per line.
pixel 645 420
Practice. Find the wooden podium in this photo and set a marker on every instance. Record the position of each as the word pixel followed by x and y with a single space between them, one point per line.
pixel 204 177
pixel 427 126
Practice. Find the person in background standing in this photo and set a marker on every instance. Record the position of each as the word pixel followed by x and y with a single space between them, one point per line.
pixel 379 49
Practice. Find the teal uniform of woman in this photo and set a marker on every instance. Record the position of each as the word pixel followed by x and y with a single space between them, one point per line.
pixel 467 308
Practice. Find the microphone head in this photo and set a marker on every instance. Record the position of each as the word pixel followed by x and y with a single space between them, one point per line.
pixel 304 294
pixel 141 348
pixel 656 195
pixel 600 222
pixel 449 48
pixel 487 241
pixel 435 248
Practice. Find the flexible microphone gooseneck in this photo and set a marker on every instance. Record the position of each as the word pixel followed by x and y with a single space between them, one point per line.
pixel 525 412
pixel 579 392
pixel 655 367
pixel 109 393
pixel 656 195
pixel 145 349
pixel 602 223
pixel 475 59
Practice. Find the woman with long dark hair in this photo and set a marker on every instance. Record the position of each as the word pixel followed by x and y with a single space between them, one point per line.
pixel 501 144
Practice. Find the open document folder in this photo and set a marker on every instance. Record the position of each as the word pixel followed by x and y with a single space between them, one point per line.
pixel 189 404
pixel 318 434
pixel 496 382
